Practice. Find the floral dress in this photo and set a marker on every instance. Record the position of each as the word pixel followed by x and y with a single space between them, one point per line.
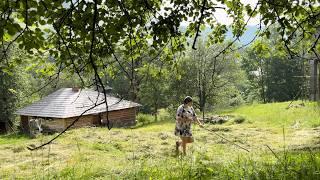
pixel 183 128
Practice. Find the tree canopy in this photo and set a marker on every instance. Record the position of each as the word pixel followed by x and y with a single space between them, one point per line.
pixel 80 34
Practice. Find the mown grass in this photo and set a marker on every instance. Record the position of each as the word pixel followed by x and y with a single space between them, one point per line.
pixel 147 151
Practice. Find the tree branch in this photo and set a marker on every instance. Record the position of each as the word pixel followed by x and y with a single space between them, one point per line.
pixel 199 24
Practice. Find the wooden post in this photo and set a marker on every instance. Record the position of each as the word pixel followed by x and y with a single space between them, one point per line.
pixel 24 124
pixel 314 80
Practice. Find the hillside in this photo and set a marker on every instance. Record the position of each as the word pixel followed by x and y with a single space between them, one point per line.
pixel 246 38
pixel 148 151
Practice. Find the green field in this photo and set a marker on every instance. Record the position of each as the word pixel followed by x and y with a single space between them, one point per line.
pixel 284 144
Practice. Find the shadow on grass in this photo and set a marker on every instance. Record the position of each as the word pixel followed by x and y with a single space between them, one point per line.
pixel 13 138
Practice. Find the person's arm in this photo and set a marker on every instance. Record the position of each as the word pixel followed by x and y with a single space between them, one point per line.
pixel 195 118
pixel 198 122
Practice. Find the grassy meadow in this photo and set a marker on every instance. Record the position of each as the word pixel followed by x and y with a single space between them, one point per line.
pixel 283 142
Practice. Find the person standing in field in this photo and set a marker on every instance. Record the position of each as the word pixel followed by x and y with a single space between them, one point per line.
pixel 184 118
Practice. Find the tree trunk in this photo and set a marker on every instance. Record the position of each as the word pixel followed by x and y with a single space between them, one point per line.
pixel 200 90
pixel 263 95
pixel 134 90
pixel 203 114
pixel 156 111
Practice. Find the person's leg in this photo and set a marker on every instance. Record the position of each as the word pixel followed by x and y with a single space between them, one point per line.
pixel 190 140
pixel 178 143
pixel 185 141
pixel 184 145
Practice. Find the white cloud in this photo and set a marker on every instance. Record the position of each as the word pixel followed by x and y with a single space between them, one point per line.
pixel 222 16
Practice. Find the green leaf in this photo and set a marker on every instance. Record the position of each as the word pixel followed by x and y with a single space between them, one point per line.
pixel 12 91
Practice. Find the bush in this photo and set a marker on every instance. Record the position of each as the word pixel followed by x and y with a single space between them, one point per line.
pixel 165 115
pixel 144 118
pixel 236 101
pixel 172 109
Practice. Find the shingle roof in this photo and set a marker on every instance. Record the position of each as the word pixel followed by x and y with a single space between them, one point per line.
pixel 66 103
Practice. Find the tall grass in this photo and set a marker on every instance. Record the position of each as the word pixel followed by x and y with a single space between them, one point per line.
pixel 297 166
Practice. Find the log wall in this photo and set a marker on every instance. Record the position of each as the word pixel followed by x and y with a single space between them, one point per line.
pixel 119 118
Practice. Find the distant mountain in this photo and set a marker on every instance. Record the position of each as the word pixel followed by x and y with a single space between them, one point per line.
pixel 244 39
pixel 247 36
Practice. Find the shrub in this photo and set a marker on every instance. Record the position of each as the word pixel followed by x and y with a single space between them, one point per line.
pixel 165 115
pixel 144 118
pixel 236 101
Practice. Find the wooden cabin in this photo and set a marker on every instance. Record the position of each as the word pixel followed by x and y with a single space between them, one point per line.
pixel 58 110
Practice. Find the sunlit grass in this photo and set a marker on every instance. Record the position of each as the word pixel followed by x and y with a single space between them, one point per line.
pixel 279 115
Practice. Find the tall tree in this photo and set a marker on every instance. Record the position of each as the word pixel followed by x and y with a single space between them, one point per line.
pixel 8 100
pixel 255 64
pixel 154 92
pixel 276 76
pixel 204 76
